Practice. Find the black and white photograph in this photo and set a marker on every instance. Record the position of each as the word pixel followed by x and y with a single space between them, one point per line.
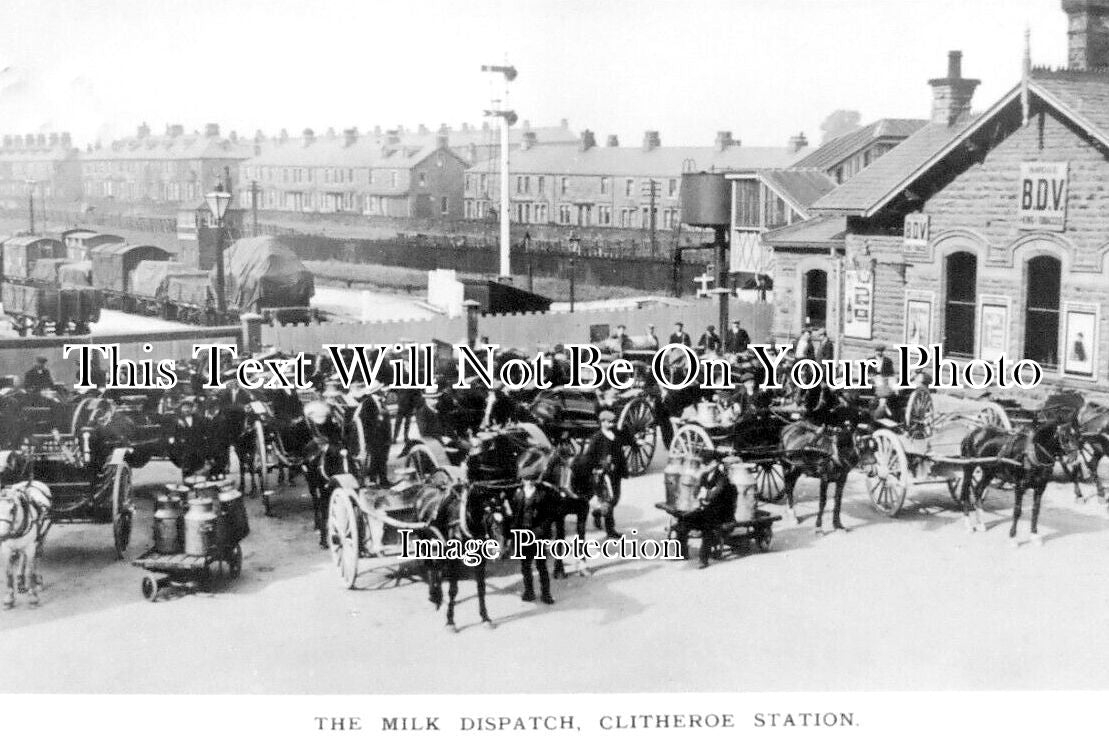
pixel 553 366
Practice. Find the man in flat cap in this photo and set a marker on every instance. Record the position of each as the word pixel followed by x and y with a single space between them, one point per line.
pixel 535 505
pixel 603 453
pixel 38 378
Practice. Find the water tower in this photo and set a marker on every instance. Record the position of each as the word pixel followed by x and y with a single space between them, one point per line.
pixel 706 204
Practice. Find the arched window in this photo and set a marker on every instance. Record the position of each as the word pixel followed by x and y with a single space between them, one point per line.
pixel 1041 316
pixel 960 300
pixel 816 297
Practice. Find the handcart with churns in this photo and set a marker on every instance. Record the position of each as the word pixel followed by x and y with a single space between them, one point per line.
pixel 198 529
pixel 694 504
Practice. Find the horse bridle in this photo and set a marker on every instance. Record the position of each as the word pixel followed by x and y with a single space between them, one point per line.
pixel 21 505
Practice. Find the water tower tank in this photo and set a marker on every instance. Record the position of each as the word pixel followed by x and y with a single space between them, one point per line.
pixel 706 199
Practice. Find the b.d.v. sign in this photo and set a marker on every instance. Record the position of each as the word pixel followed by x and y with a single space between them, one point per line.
pixel 1042 202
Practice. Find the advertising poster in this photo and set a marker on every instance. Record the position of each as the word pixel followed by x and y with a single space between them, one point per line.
pixel 1080 341
pixel 858 292
pixel 993 330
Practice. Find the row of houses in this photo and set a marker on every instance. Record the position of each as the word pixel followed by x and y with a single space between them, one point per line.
pixel 986 233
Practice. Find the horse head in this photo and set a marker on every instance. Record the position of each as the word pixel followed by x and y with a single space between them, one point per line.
pixel 10 506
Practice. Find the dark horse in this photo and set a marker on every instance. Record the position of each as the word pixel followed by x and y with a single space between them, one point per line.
pixel 457 514
pixel 1026 458
pixel 822 445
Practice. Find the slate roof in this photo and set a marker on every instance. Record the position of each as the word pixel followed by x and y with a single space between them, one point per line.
pixel 801 187
pixel 834 152
pixel 1082 95
pixel 637 162
pixel 186 146
pixel 818 230
pixel 329 152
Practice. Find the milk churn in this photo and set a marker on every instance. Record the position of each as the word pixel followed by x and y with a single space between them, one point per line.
pixel 200 525
pixel 742 477
pixel 168 534
pixel 671 476
pixel 689 485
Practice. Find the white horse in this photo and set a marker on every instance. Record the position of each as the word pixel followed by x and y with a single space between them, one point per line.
pixel 24 522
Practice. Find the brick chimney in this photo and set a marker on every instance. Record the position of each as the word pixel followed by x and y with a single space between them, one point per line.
pixel 41 140
pixel 259 137
pixel 143 131
pixel 651 140
pixel 951 95
pixel 529 140
pixel 234 137
pixel 1087 33
pixel 564 123
pixel 284 135
pixel 612 141
pixel 67 140
pixel 211 130
pixel 798 142
pixel 350 136
pixel 175 130
pixel 465 128
pixel 442 140
pixel 53 139
pixel 309 136
pixel 7 141
pixel 587 140
pixel 724 140
pixel 472 152
pixel 423 130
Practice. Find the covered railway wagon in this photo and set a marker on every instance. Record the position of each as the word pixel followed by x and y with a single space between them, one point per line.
pixel 149 281
pixel 42 292
pixel 113 266
pixel 190 299
pixel 264 276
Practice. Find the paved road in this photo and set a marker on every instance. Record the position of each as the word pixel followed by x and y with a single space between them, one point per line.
pixel 911 603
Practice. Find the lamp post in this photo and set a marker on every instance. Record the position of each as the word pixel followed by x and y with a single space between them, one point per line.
pixel 218 200
pixel 507 118
pixel 575 248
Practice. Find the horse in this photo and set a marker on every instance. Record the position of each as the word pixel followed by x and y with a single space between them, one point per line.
pixel 1093 426
pixel 1025 458
pixel 458 514
pixel 24 522
pixel 822 445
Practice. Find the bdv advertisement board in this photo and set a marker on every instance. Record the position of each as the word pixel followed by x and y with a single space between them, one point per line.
pixel 1042 201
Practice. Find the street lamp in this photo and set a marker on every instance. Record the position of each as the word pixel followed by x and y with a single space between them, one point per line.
pixel 575 249
pixel 218 200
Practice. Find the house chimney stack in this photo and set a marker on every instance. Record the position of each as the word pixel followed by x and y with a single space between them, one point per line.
pixel 651 141
pixel 67 140
pixel 951 95
pixel 350 136
pixel 587 140
pixel 1087 33
pixel 41 140
pixel 612 141
pixel 724 140
pixel 211 130
pixel 798 142
pixel 309 136
pixel 143 132
pixel 442 140
pixel 529 140
pixel 176 130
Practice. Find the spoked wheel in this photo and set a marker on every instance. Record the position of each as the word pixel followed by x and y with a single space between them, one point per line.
pixel 150 588
pixel 955 487
pixel 118 475
pixel 993 415
pixel 691 441
pixel 1088 458
pixel 343 537
pixel 920 414
pixel 892 479
pixel 764 539
pixel 421 462
pixel 770 481
pixel 638 425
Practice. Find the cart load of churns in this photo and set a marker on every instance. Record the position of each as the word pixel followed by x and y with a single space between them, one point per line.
pixel 393 471
pixel 48 287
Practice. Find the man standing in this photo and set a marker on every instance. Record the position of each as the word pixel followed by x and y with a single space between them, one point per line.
pixel 38 378
pixel 374 417
pixel 738 339
pixel 827 348
pixel 652 338
pixel 189 438
pixel 680 336
pixel 710 340
pixel 534 507
pixel 603 452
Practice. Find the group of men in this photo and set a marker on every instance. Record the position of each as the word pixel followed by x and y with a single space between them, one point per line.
pixel 710 341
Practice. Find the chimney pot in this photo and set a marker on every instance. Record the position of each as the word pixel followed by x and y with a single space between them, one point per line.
pixel 952 95
pixel 798 142
pixel 954 65
pixel 612 140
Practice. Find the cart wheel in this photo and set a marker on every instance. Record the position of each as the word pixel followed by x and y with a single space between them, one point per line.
pixel 892 477
pixel 150 588
pixel 691 441
pixel 343 536
pixel 235 562
pixel 421 461
pixel 994 415
pixel 920 414
pixel 770 482
pixel 1088 458
pixel 122 508
pixel 764 538
pixel 637 424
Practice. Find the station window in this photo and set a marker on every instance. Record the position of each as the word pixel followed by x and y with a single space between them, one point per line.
pixel 1041 319
pixel 960 303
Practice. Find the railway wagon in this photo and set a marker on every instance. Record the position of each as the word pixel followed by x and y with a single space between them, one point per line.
pixel 148 285
pixel 22 252
pixel 190 299
pixel 113 267
pixel 264 276
pixel 39 308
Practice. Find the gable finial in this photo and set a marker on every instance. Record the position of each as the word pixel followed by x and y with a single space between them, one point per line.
pixel 1026 72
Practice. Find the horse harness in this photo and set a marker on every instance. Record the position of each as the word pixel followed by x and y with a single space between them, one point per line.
pixel 27 513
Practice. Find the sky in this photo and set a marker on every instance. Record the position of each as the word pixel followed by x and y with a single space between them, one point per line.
pixel 762 69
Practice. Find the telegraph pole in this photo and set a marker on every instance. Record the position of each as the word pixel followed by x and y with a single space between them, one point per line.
pixel 31 203
pixel 650 190
pixel 254 204
pixel 507 118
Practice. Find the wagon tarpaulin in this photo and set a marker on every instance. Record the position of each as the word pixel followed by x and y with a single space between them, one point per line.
pixel 260 272
pixel 149 278
pixel 193 290
pixel 75 273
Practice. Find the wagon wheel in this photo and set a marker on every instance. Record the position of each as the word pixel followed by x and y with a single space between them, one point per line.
pixel 260 467
pixel 764 538
pixel 119 475
pixel 1088 458
pixel 343 537
pixel 691 441
pixel 770 481
pixel 421 461
pixel 150 588
pixel 892 478
pixel 955 485
pixel 994 415
pixel 637 423
pixel 920 414
pixel 235 562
